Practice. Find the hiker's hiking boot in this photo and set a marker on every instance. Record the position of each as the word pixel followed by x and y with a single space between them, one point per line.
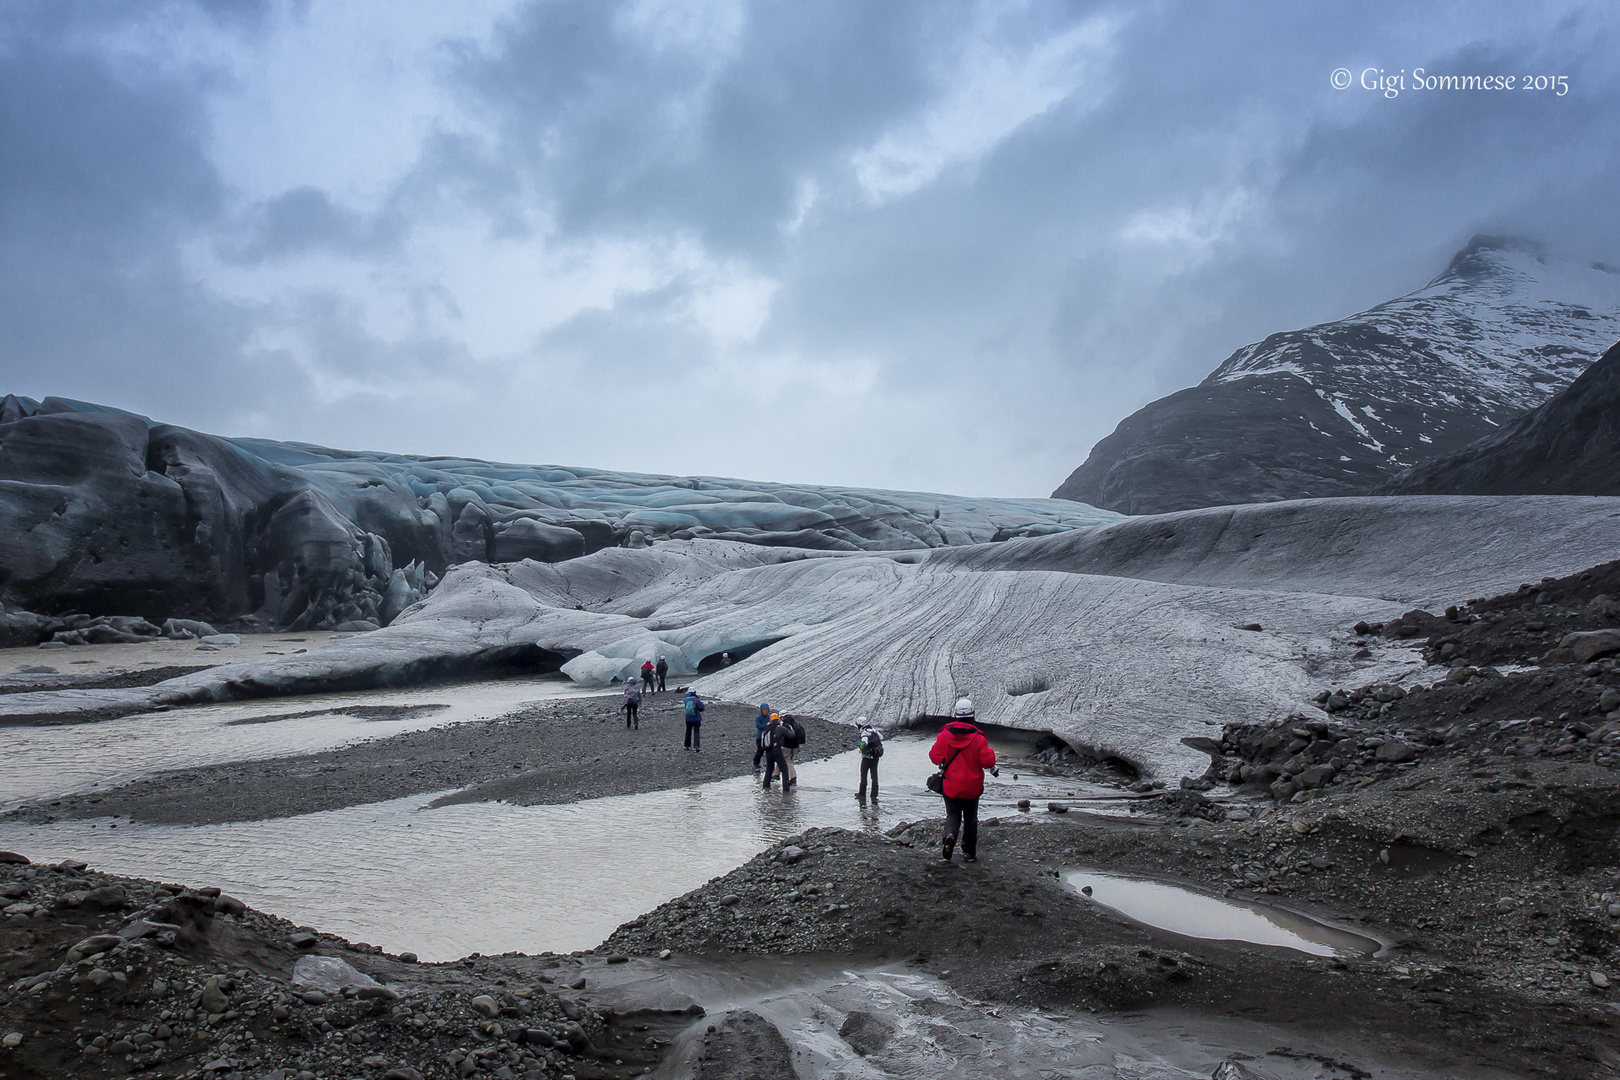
pixel 950 842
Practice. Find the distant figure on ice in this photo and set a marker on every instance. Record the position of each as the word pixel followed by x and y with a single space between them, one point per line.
pixel 726 660
pixel 694 720
pixel 871 747
pixel 662 669
pixel 761 722
pixel 962 754
pixel 647 675
pixel 632 703
pixel 771 739
pixel 792 739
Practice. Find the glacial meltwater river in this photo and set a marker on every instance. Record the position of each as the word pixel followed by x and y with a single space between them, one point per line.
pixel 443 881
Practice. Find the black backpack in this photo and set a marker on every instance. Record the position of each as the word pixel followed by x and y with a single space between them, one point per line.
pixel 874 743
pixel 795 737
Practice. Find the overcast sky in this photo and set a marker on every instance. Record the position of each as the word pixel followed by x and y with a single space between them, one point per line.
pixel 924 245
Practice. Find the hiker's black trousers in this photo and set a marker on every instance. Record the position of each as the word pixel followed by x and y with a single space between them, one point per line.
pixel 868 765
pixel 962 820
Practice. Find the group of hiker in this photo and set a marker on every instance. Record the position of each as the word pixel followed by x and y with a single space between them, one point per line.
pixel 777 738
pixel 652 679
pixel 961 751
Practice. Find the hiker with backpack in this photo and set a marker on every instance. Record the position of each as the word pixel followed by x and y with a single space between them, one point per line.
pixel 871 747
pixel 632 704
pixel 761 722
pixel 792 739
pixel 647 676
pixel 771 739
pixel 963 754
pixel 694 720
pixel 661 670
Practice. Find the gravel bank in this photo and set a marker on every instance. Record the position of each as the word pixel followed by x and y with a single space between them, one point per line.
pixel 551 752
pixel 108 976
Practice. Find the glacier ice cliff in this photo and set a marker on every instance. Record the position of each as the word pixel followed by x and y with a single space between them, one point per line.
pixel 106 512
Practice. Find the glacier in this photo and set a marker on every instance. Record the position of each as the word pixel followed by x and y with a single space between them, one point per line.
pixel 1123 637
pixel 107 512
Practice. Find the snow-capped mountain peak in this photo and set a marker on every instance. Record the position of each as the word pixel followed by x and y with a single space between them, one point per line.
pixel 1336 408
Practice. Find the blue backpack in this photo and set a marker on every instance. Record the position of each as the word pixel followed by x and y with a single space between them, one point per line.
pixel 694 707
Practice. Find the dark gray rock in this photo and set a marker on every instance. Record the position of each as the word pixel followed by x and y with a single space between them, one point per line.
pixel 213 996
pixel 106 897
pixel 1314 777
pixel 866 1033
pixel 1395 752
pixel 1590 644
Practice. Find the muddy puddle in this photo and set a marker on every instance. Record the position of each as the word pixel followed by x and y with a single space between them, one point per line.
pixel 1199 915
pixel 55 760
pixel 491 877
pixel 855 1022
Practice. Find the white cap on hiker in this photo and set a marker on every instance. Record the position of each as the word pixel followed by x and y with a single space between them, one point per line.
pixel 963 710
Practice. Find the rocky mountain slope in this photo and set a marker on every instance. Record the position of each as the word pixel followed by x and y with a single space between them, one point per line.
pixel 106 512
pixel 1336 409
pixel 1569 446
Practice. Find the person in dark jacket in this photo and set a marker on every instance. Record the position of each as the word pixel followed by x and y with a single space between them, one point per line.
pixel 792 739
pixel 761 722
pixel 647 676
pixel 661 670
pixel 632 704
pixel 772 737
pixel 694 721
pixel 871 748
pixel 963 752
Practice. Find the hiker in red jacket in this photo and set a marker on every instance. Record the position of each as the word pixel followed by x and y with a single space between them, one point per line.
pixel 963 754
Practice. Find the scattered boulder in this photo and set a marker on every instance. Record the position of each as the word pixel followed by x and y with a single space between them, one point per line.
pixel 866 1033
pixel 1395 752
pixel 214 999
pixel 1588 645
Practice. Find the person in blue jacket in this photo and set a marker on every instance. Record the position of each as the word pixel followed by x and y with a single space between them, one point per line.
pixel 694 720
pixel 761 722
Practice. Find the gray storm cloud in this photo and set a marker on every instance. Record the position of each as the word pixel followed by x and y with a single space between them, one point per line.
pixel 929 246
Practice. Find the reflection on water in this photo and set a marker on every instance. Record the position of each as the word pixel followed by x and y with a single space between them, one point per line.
pixel 41 761
pixel 489 877
pixel 1182 911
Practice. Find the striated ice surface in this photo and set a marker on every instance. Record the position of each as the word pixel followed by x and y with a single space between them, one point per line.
pixel 1123 637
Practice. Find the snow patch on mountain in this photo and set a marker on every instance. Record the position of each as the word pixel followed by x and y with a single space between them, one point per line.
pixel 1500 331
pixel 1338 408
